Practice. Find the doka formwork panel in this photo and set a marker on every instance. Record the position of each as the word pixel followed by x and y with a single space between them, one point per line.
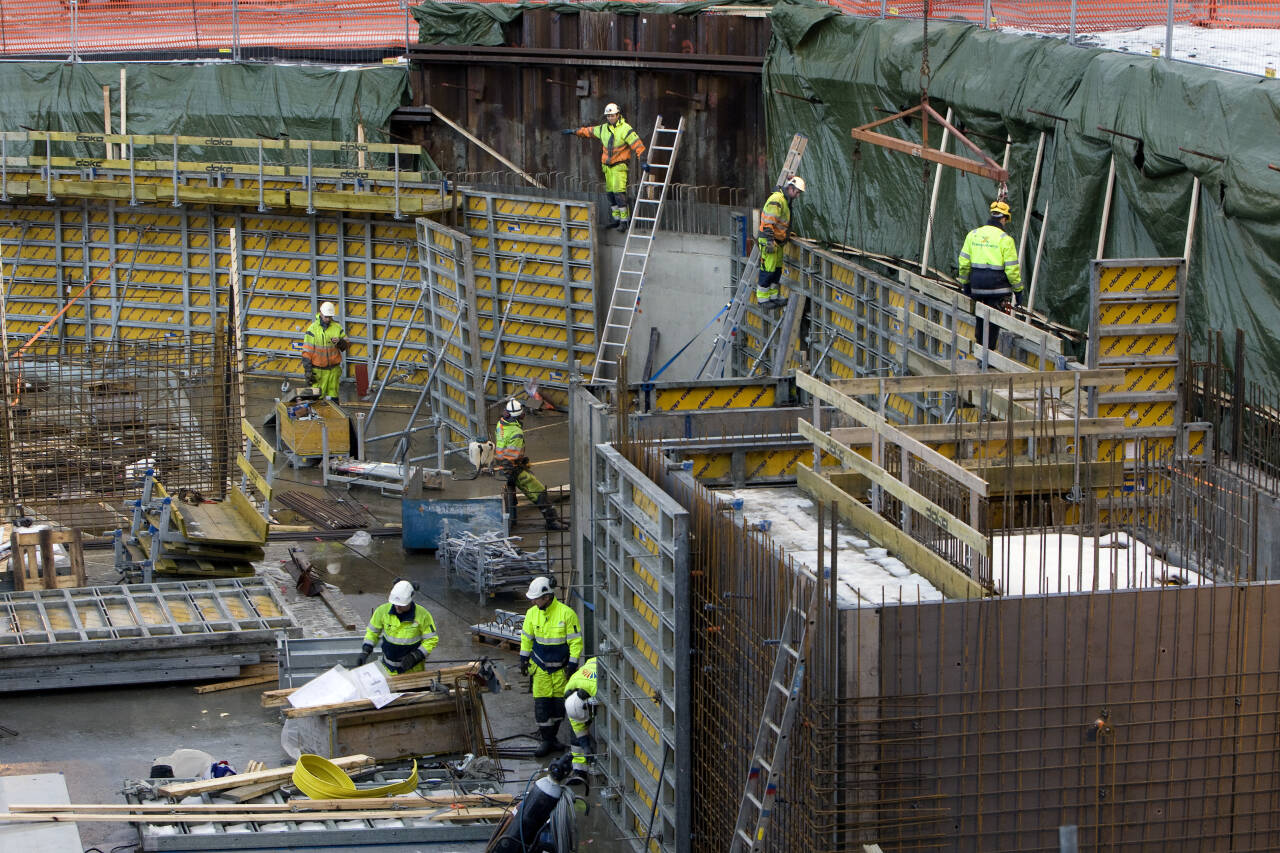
pixel 639 555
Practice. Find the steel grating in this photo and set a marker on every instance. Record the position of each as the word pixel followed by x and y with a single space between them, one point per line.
pixel 639 558
pixel 456 382
pixel 535 279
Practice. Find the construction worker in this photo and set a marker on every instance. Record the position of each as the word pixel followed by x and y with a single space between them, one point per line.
pixel 550 649
pixel 775 231
pixel 580 708
pixel 510 462
pixel 989 270
pixel 407 631
pixel 322 347
pixel 618 142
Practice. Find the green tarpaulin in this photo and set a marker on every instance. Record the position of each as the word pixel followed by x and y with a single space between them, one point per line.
pixel 223 100
pixel 849 72
pixel 481 23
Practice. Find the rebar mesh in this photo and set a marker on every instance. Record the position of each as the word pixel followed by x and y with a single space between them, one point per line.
pixel 82 427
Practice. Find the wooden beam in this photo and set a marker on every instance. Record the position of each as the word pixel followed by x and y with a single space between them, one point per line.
pixel 877 422
pixel 933 155
pixel 946 577
pixel 203 786
pixel 446 814
pixel 1040 477
pixel 992 430
pixel 974 381
pixel 264 447
pixel 405 699
pixel 951 525
pixel 232 684
pixel 479 143
pixel 397 683
pixel 407 802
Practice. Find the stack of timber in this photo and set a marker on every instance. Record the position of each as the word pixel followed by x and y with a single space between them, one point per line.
pixel 136 634
pixel 192 537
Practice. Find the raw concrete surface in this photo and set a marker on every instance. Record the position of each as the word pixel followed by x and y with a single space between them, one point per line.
pixel 99 737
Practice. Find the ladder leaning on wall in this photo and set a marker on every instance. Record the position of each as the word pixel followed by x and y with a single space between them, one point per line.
pixel 713 367
pixel 625 302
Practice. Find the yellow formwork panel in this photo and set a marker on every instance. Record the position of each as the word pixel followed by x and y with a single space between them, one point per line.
pixel 1140 415
pixel 1113 348
pixel 1138 279
pixel 698 397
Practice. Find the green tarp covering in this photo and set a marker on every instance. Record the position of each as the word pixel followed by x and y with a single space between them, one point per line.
pixel 481 23
pixel 222 100
pixel 851 71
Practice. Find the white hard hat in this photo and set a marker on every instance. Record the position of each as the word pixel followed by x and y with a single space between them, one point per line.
pixel 795 181
pixel 537 589
pixel 514 408
pixel 611 110
pixel 576 706
pixel 401 593
pixel 327 309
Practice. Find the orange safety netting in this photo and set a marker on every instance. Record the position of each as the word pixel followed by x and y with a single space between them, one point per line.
pixel 213 27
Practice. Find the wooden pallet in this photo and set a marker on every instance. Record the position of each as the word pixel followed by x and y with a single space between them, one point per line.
pixel 496 642
pixel 31 556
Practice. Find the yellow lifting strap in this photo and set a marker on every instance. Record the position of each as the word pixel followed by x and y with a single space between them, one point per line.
pixel 321 779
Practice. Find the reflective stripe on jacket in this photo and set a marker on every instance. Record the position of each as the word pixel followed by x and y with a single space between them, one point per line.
pixel 552 637
pixel 619 141
pixel 583 679
pixel 401 636
pixel 508 441
pixel 319 344
pixel 989 263
pixel 775 217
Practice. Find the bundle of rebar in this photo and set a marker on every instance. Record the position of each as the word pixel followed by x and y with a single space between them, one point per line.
pixel 490 563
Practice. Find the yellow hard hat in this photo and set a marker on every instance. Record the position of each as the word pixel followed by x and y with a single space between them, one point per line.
pixel 1000 208
pixel 795 181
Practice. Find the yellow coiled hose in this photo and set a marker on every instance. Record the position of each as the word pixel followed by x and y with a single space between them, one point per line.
pixel 321 779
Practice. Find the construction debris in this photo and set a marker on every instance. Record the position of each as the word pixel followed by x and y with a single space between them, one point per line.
pixel 490 563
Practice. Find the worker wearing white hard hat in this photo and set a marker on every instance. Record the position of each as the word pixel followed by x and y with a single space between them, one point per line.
pixel 775 231
pixel 550 651
pixel 580 708
pixel 407 631
pixel 322 347
pixel 511 462
pixel 618 143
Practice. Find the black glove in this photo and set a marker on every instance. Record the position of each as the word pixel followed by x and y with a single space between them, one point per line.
pixel 410 660
pixel 644 165
pixel 964 288
pixel 771 246
pixel 1016 299
pixel 569 669
pixel 568 131
pixel 524 666
pixel 365 651
pixel 310 376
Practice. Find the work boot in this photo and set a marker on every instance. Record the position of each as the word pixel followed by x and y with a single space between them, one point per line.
pixel 547 747
pixel 554 522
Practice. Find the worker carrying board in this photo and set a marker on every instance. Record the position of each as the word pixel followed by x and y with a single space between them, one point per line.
pixel 407 631
pixel 322 347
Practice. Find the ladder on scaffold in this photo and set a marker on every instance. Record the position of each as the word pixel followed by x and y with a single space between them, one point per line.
pixel 755 812
pixel 713 367
pixel 625 302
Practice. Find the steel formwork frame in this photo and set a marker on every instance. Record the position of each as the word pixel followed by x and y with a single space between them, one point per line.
pixel 639 559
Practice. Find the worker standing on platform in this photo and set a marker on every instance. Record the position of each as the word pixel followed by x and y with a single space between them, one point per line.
pixel 322 347
pixel 618 141
pixel 510 462
pixel 580 708
pixel 407 631
pixel 550 650
pixel 775 231
pixel 989 270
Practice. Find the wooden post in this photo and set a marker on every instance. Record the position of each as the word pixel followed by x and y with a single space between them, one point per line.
pixel 124 107
pixel 360 156
pixel 1237 399
pixel 106 116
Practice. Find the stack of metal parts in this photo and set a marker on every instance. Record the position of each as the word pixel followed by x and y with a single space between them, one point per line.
pixel 503 628
pixel 180 631
pixel 329 514
pixel 490 563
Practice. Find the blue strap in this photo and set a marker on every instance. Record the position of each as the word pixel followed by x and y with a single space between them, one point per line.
pixel 680 351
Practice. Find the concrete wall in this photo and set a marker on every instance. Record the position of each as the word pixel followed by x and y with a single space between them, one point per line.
pixel 686 284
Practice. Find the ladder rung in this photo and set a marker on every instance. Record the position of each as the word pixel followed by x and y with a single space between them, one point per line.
pixel 605 361
pixel 777 729
pixel 662 148
pixel 742 833
pixel 619 326
pixel 782 688
pixel 794 652
pixel 768 768
pixel 752 798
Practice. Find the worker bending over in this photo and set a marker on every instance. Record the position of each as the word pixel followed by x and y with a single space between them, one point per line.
pixel 407 630
pixel 618 142
pixel 550 650
pixel 775 231
pixel 580 708
pixel 511 463
pixel 989 270
pixel 322 347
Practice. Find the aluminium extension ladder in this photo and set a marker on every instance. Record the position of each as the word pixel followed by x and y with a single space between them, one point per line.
pixel 713 367
pixel 625 302
pixel 761 790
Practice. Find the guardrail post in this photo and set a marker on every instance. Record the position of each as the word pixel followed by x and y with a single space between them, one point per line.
pixel 262 184
pixel 176 202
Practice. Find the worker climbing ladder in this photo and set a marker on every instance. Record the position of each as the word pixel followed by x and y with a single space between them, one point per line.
pixel 625 303
pixel 714 366
pixel 755 812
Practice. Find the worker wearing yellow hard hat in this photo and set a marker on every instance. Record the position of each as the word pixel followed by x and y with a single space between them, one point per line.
pixel 988 268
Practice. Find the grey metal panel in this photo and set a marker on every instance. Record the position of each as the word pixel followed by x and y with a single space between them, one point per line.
pixel 457 396
pixel 48 788
pixel 303 658
pixel 589 425
pixel 639 561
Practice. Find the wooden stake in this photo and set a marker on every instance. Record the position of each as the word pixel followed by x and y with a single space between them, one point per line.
pixel 360 158
pixel 106 117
